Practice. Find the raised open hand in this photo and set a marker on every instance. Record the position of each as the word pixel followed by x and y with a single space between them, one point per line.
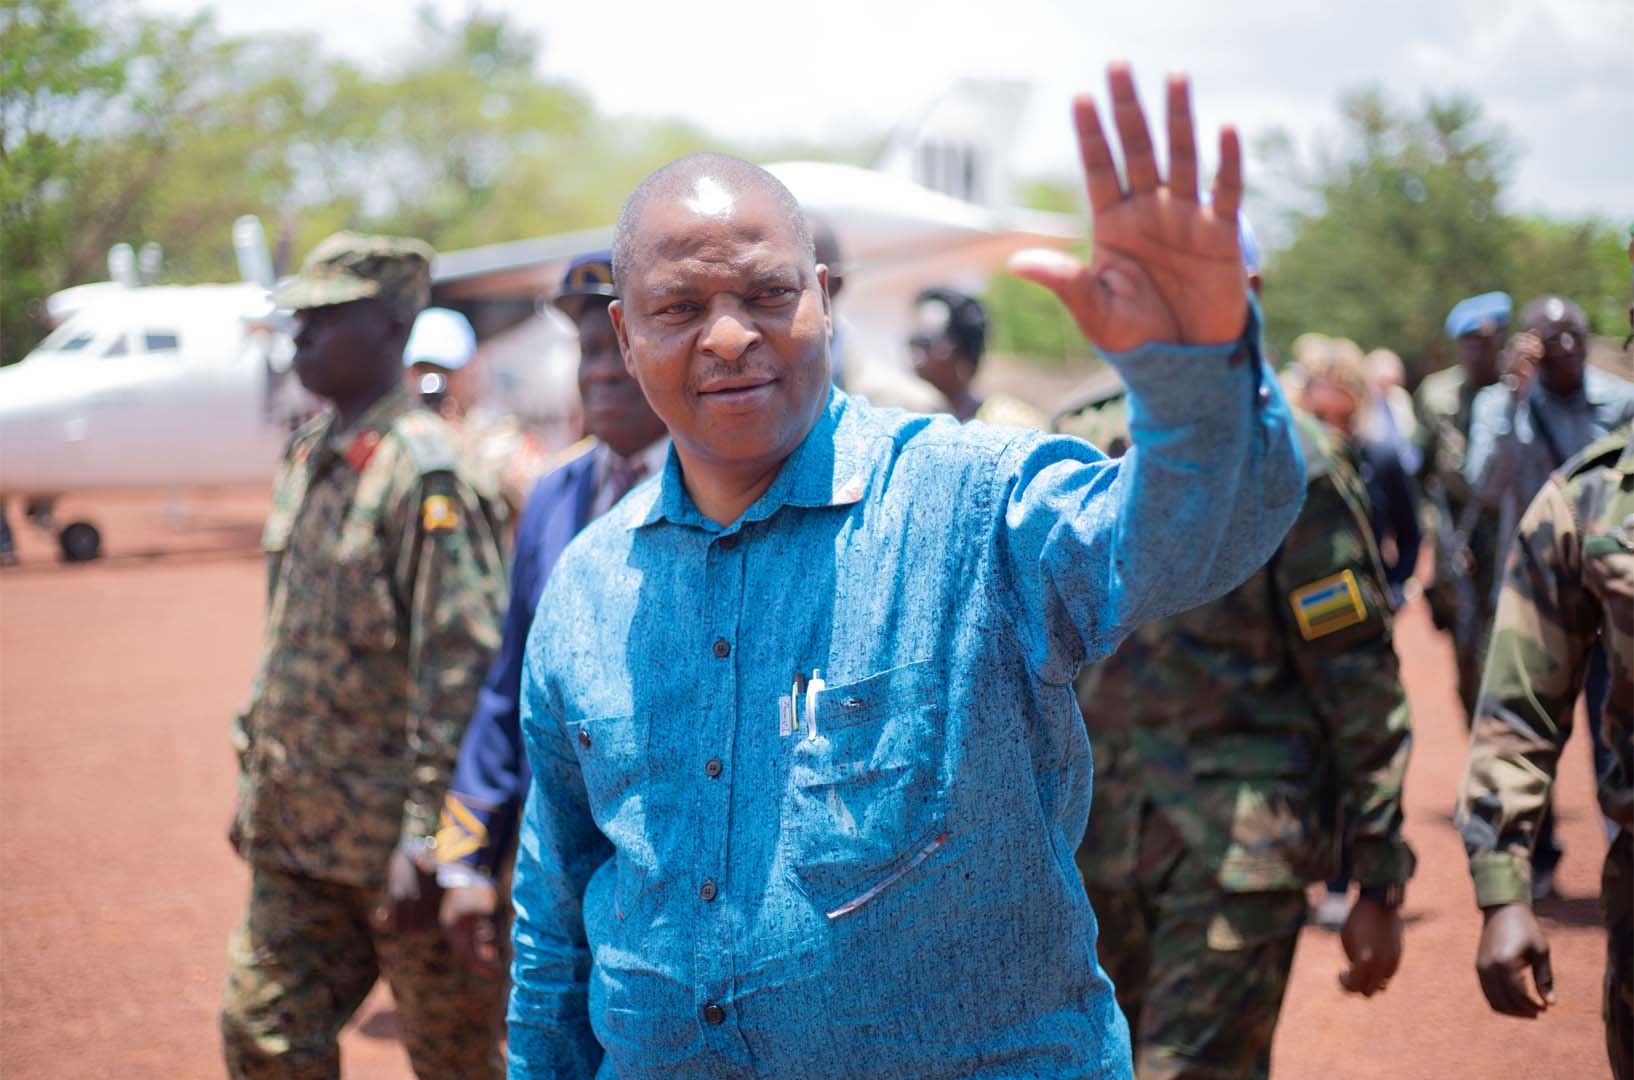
pixel 1165 267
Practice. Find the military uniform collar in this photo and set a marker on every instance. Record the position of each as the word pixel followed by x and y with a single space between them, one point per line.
pixel 828 468
pixel 355 443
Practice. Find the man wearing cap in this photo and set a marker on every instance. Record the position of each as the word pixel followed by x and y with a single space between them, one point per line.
pixel 1466 532
pixel 384 585
pixel 808 771
pixel 626 443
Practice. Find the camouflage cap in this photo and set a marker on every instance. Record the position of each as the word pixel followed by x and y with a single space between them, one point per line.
pixel 351 266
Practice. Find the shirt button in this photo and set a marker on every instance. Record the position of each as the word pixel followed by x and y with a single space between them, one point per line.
pixel 721 648
pixel 584 738
pixel 1265 393
pixel 714 1014
pixel 712 767
pixel 707 891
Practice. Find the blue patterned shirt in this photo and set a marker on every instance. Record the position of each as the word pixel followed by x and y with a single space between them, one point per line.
pixel 726 873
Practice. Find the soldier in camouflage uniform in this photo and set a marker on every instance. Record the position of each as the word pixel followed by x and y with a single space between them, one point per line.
pixel 384 585
pixel 1569 583
pixel 1465 532
pixel 1233 745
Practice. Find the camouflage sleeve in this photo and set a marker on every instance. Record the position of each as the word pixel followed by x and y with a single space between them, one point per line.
pixel 1332 586
pixel 1535 666
pixel 450 578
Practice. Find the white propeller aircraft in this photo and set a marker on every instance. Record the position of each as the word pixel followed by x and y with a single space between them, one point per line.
pixel 176 387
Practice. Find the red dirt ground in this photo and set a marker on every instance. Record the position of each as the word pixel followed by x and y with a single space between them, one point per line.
pixel 117 888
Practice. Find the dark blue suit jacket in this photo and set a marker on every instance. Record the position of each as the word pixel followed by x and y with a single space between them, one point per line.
pixel 491 778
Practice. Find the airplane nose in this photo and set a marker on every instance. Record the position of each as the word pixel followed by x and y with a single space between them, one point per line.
pixel 38 416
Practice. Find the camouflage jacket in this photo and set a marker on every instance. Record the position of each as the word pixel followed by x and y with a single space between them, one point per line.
pixel 1265 723
pixel 1568 583
pixel 1443 403
pixel 384 588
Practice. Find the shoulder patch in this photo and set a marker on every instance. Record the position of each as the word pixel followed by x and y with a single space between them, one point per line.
pixel 1330 604
pixel 428 440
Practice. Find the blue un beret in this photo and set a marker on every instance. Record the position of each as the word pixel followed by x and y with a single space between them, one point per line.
pixel 1484 314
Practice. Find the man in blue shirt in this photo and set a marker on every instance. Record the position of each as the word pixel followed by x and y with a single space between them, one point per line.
pixel 484 800
pixel 808 768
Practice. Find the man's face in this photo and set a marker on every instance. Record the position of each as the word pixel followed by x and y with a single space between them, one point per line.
pixel 725 324
pixel 339 349
pixel 1478 353
pixel 1332 405
pixel 1565 350
pixel 615 410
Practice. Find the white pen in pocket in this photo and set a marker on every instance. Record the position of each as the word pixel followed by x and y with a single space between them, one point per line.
pixel 813 688
pixel 785 716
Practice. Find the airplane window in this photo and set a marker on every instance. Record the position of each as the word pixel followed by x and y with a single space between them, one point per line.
pixel 161 341
pixel 76 343
pixel 118 348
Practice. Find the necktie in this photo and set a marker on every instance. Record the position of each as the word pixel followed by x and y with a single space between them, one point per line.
pixel 622 475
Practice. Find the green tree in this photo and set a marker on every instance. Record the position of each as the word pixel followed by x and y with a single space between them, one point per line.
pixel 1403 218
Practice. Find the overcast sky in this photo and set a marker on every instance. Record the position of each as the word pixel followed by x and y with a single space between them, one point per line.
pixel 1558 74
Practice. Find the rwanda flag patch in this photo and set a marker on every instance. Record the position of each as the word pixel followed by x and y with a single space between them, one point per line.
pixel 1331 604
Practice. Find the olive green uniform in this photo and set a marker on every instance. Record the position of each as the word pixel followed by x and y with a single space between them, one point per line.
pixel 384 588
pixel 1569 583
pixel 1234 744
pixel 1465 533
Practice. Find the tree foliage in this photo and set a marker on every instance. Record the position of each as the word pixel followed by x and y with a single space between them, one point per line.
pixel 1405 217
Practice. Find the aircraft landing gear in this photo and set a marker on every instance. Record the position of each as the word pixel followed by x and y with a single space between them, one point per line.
pixel 80 542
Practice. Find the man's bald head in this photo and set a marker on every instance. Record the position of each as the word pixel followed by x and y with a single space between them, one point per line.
pixel 707 183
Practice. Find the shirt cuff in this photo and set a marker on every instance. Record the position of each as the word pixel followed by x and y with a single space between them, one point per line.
pixel 1173 385
pixel 1501 878
pixel 1381 862
pixel 457 875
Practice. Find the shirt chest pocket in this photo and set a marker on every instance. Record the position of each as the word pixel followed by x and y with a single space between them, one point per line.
pixel 866 802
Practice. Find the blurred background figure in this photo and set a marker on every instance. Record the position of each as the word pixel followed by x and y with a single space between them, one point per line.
pixel 497 456
pixel 1338 389
pixel 950 336
pixel 1391 421
pixel 476 844
pixel 1549 406
pixel 1464 530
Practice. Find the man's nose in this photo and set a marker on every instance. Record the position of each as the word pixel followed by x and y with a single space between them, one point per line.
pixel 729 335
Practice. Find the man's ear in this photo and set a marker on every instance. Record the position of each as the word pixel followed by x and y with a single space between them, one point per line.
pixel 828 300
pixel 615 312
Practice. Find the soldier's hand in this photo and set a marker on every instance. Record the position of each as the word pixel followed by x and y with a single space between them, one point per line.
pixel 1512 942
pixel 412 896
pixel 1165 267
pixel 1372 940
pixel 470 922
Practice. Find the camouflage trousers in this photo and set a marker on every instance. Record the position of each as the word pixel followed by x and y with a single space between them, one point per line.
pixel 1200 973
pixel 304 958
pixel 1617 906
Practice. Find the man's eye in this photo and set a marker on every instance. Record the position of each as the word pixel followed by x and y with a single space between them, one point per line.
pixel 776 292
pixel 683 307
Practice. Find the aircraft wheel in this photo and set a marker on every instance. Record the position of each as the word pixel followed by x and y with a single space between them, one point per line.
pixel 80 542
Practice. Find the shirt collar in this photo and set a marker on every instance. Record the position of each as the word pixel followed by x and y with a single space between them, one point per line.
pixel 369 428
pixel 828 468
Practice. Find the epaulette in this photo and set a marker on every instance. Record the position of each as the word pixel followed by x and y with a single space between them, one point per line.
pixel 569 454
pixel 1606 451
pixel 1315 443
pixel 301 442
pixel 428 439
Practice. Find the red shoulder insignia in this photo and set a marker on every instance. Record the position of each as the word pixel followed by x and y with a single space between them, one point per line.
pixel 362 449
